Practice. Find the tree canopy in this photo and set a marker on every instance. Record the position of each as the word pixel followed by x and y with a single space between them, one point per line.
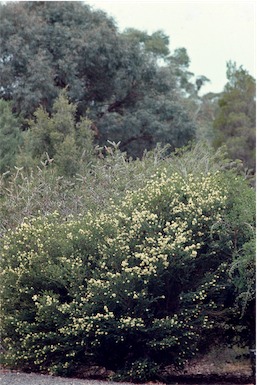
pixel 235 122
pixel 128 83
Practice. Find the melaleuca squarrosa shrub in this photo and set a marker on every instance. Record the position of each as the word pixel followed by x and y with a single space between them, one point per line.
pixel 138 286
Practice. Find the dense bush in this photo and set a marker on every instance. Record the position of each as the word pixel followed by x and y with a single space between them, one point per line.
pixel 144 283
pixel 25 191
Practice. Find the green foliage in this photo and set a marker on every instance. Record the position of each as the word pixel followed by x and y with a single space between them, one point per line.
pixel 243 273
pixel 131 260
pixel 24 194
pixel 204 115
pixel 10 137
pixel 58 137
pixel 45 47
pixel 130 264
pixel 243 267
pixel 29 190
pixel 117 79
pixel 137 284
pixel 156 44
pixel 141 371
pixel 236 120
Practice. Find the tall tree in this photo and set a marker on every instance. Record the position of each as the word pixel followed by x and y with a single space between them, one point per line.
pixel 127 83
pixel 48 46
pixel 235 121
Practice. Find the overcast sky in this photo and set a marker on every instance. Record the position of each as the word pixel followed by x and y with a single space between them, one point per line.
pixel 213 32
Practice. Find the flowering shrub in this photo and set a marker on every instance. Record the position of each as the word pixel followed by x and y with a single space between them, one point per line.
pixel 142 282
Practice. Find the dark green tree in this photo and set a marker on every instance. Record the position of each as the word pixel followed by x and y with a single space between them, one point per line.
pixel 235 121
pixel 152 108
pixel 127 83
pixel 47 46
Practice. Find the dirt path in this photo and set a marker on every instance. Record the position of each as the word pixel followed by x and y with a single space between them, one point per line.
pixel 18 378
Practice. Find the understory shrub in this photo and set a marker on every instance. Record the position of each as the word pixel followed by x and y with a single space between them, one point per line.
pixel 24 191
pixel 144 283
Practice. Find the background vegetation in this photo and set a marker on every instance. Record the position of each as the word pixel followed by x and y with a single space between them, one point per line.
pixel 127 208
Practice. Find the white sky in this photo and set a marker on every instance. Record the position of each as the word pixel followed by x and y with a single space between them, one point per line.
pixel 213 32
